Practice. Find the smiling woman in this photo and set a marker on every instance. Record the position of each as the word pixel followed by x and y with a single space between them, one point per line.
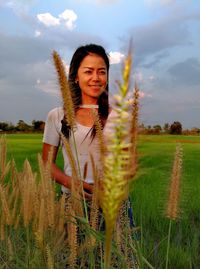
pixel 88 83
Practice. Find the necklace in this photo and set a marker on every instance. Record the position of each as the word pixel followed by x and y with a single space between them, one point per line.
pixel 89 106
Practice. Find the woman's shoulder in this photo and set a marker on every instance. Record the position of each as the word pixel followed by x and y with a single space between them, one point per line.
pixel 56 110
pixel 56 113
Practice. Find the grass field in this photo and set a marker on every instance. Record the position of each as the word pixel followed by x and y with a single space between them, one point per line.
pixel 149 194
pixel 22 146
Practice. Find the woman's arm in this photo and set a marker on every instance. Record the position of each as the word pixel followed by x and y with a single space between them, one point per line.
pixel 57 174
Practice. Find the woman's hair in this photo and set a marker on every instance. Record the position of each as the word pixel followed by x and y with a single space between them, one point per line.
pixel 76 60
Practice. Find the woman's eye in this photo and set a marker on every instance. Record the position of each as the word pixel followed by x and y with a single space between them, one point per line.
pixel 88 72
pixel 102 72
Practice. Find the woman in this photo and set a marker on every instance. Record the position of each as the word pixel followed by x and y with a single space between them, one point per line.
pixel 88 81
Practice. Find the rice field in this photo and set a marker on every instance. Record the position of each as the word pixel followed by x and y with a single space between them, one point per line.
pixel 26 146
pixel 149 195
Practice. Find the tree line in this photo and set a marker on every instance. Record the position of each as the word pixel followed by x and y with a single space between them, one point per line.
pixel 22 126
pixel 38 126
pixel 174 128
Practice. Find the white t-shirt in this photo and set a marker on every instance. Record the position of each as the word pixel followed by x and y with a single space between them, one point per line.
pixel 85 148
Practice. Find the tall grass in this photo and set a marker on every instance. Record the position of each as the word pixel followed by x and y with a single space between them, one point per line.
pixel 32 220
pixel 39 229
pixel 149 197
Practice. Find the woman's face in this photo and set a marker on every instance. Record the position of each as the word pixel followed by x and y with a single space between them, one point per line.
pixel 92 78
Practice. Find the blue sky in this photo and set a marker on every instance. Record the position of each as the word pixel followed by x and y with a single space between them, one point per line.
pixel 165 38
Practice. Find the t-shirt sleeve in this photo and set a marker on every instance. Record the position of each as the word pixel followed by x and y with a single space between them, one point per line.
pixel 51 131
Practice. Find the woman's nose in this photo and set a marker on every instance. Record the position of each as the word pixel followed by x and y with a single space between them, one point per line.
pixel 95 76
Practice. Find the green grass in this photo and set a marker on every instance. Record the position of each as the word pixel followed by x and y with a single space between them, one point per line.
pixel 26 146
pixel 149 194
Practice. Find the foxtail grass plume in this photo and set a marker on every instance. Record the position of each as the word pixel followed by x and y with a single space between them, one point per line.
pixel 31 215
pixel 65 90
pixel 76 186
pixel 172 210
pixel 94 210
pixel 69 117
pixel 134 132
pixel 39 235
pixel 4 166
pixel 100 137
pixel 5 206
pixel 47 189
pixel 72 236
pixel 27 191
pixel 50 262
pixel 115 183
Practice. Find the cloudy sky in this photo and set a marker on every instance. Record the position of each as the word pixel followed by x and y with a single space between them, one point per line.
pixel 166 44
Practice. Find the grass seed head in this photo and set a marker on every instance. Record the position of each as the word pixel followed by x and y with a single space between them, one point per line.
pixel 65 90
pixel 172 210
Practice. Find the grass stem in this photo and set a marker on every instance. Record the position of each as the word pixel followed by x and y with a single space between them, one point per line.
pixel 80 176
pixel 168 244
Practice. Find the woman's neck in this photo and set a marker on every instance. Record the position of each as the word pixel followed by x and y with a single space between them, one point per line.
pixel 88 100
pixel 89 106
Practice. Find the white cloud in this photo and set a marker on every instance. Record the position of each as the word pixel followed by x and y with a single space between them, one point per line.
pixel 67 18
pixel 152 78
pixel 153 3
pixel 48 20
pixel 115 57
pixel 48 87
pixel 18 7
pixel 106 1
pixel 139 76
pixel 143 94
pixel 16 4
pixel 129 98
pixel 98 1
pixel 66 66
pixel 37 33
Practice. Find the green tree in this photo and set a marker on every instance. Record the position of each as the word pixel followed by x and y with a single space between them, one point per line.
pixel 176 128
pixel 38 125
pixel 6 126
pixel 23 126
pixel 166 127
pixel 3 126
pixel 157 129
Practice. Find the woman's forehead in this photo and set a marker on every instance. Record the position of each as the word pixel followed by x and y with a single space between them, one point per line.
pixel 93 59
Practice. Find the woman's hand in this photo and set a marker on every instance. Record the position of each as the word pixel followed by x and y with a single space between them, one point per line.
pixel 88 190
pixel 60 177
